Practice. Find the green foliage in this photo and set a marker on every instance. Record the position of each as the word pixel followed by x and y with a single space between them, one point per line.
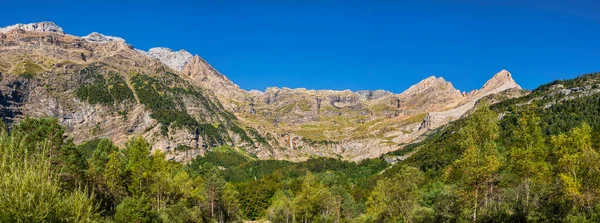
pixel 28 69
pixel 393 199
pixel 166 103
pixel 155 96
pixel 212 136
pixel 136 210
pixel 515 162
pixel 282 208
pixel 579 167
pixel 95 88
pixel 313 201
pixel 243 135
pixel 259 138
pixel 139 165
pixel 87 148
pixel 223 156
pixel 31 188
pixel 258 194
pixel 180 212
pixel 118 88
pixel 323 142
pixel 30 132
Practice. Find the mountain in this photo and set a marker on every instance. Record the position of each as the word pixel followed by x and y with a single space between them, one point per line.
pixel 100 86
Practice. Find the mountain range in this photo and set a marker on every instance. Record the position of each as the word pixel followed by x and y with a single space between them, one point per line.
pixel 100 86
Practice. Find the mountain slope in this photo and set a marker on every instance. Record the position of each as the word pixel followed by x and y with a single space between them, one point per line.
pixel 100 86
pixel 108 89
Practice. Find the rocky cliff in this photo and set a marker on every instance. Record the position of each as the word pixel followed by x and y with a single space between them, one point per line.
pixel 100 86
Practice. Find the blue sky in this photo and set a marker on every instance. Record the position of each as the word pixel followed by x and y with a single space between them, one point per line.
pixel 349 44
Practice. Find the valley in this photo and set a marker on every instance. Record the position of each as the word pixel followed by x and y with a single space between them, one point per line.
pixel 95 130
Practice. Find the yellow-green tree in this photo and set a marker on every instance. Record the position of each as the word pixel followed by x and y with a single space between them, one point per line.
pixel 393 199
pixel 314 202
pixel 579 167
pixel 162 183
pixel 30 189
pixel 282 207
pixel 527 156
pixel 477 169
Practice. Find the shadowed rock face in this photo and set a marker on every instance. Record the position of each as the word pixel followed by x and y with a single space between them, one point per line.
pixel 100 86
pixel 12 96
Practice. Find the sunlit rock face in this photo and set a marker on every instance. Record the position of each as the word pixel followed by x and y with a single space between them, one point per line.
pixel 179 102
pixel 34 27
pixel 95 37
pixel 176 60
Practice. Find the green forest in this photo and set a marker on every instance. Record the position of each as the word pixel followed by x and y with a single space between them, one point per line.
pixel 509 162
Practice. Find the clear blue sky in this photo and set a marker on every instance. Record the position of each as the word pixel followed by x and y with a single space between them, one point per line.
pixel 349 44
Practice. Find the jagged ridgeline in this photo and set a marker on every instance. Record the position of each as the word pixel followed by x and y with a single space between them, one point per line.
pixel 498 154
pixel 561 106
pixel 110 90
pixel 100 86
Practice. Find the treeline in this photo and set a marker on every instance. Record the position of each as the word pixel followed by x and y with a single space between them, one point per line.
pixel 524 163
pixel 47 178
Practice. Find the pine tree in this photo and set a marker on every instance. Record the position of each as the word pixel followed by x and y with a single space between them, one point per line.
pixel 138 164
pixel 213 185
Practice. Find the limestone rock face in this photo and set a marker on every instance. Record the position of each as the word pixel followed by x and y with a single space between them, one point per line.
pixel 185 107
pixel 431 94
pixel 95 37
pixel 203 74
pixel 501 81
pixel 43 74
pixel 35 27
pixel 176 60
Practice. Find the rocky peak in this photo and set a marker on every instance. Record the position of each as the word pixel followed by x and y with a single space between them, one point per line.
pixel 429 85
pixel 431 94
pixel 95 37
pixel 499 82
pixel 36 27
pixel 176 60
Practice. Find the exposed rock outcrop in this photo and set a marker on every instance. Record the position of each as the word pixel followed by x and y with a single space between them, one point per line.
pixel 500 82
pixel 184 106
pixel 208 77
pixel 176 60
pixel 35 27
pixel 95 37
pixel 431 94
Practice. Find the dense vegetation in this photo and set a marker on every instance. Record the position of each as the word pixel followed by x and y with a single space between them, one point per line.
pixel 98 90
pixel 535 164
